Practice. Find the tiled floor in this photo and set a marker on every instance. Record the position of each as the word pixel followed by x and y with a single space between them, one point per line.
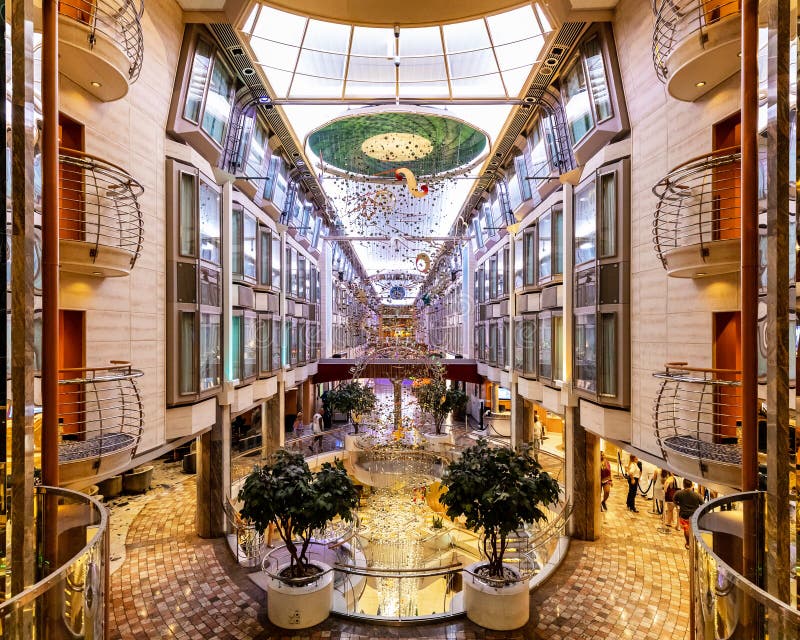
pixel 629 584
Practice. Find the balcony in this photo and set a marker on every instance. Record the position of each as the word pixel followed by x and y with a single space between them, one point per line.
pixel 696 45
pixel 696 225
pixel 75 585
pixel 101 45
pixel 101 228
pixel 727 605
pixel 697 418
pixel 101 418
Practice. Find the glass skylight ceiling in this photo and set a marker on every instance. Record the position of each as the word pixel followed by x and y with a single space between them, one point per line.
pixel 486 58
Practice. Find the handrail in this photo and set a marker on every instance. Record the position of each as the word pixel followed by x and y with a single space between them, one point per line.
pixel 698 203
pixel 37 589
pixel 100 203
pixel 117 20
pixel 678 20
pixel 786 614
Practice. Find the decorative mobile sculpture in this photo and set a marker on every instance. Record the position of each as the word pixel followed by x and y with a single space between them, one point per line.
pixel 423 262
pixel 411 181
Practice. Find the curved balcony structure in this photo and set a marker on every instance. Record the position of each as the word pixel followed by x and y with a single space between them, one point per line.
pixel 696 45
pixel 100 410
pixel 75 587
pixel 101 228
pixel 695 419
pixel 696 225
pixel 726 604
pixel 101 44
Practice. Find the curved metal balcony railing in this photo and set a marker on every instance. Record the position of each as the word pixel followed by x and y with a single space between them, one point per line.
pixel 119 21
pixel 696 226
pixel 75 586
pixel 101 228
pixel 679 20
pixel 101 416
pixel 697 418
pixel 727 605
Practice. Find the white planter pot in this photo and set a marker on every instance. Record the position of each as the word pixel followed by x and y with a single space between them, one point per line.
pixel 498 608
pixel 291 607
pixel 351 442
pixel 438 443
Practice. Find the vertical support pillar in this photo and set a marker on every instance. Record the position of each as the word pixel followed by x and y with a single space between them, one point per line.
pixel 584 479
pixel 398 403
pixel 4 355
pixel 519 418
pixel 209 519
pixel 777 521
pixel 23 533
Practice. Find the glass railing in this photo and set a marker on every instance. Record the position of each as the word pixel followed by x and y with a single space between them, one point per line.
pixel 726 604
pixel 70 601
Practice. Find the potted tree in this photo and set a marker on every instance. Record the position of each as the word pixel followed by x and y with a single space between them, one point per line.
pixel 288 496
pixel 352 398
pixel 435 398
pixel 497 491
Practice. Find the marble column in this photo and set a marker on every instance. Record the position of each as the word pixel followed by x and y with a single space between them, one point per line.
pixel 778 244
pixel 398 403
pixel 583 477
pixel 23 530
pixel 209 517
pixel 518 417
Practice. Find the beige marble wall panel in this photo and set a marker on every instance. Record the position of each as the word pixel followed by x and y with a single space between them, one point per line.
pixel 126 316
pixel 671 319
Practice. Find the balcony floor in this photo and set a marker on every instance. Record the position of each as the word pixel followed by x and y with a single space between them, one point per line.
pixel 630 583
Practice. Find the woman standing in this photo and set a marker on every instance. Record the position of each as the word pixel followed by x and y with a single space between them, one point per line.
pixel 605 480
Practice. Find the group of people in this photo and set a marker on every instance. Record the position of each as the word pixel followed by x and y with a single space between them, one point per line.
pixel 318 426
pixel 685 500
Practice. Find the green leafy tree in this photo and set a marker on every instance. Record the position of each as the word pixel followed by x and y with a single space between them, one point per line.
pixel 352 398
pixel 296 501
pixel 498 490
pixel 435 398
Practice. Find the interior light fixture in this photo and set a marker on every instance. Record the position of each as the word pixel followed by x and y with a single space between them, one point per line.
pixel 702 83
pixel 700 274
pixel 96 84
pixel 97 273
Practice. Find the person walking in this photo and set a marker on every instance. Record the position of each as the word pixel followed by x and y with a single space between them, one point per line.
pixel 670 489
pixel 537 436
pixel 605 480
pixel 316 428
pixel 633 474
pixel 687 500
pixel 659 476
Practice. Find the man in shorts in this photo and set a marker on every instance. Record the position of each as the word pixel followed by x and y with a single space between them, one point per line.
pixel 687 500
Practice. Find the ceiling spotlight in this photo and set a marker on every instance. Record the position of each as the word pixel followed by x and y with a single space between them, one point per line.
pixel 700 274
pixel 702 83
pixel 96 84
pixel 248 71
pixel 551 62
pixel 97 273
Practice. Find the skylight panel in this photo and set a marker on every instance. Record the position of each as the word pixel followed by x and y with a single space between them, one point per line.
pixel 422 69
pixel 478 86
pixel 368 41
pixel 472 63
pixel 425 41
pixel 466 36
pixel 274 54
pixel 438 89
pixel 278 80
pixel 248 25
pixel 515 79
pixel 513 25
pixel 543 21
pixel 371 70
pixel 368 90
pixel 304 86
pixel 280 26
pixel 327 36
pixel 323 65
pixel 517 54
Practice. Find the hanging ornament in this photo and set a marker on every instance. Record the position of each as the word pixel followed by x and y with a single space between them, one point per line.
pixel 397 292
pixel 423 262
pixel 411 181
